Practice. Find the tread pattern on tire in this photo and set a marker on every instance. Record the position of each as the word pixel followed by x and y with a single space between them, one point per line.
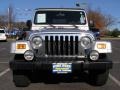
pixel 20 79
pixel 98 78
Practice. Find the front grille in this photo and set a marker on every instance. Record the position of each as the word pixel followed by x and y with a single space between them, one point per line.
pixel 61 45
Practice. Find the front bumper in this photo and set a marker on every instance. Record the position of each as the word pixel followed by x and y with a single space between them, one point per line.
pixel 76 65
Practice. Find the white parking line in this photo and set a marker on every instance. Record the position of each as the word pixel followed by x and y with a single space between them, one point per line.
pixel 4 62
pixel 2 49
pixel 116 48
pixel 4 72
pixel 114 79
pixel 116 62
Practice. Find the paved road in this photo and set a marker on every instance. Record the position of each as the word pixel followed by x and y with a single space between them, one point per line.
pixel 7 84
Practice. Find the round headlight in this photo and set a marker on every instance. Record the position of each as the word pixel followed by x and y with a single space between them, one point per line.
pixel 36 42
pixel 86 42
pixel 29 55
pixel 94 55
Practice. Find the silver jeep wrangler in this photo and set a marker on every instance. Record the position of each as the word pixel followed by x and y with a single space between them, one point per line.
pixel 59 42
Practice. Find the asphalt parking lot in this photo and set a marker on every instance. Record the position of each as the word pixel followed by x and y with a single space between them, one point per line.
pixel 6 75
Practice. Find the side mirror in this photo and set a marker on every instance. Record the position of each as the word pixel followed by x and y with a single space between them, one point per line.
pixel 29 24
pixel 95 30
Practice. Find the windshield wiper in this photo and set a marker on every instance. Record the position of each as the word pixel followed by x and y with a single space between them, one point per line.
pixel 52 25
pixel 75 26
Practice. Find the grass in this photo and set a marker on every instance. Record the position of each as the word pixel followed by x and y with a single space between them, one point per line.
pixel 111 38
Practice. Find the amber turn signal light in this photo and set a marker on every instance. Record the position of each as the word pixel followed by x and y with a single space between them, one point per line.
pixel 101 46
pixel 21 46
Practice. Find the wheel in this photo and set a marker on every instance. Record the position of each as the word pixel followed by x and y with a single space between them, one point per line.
pixel 20 80
pixel 98 78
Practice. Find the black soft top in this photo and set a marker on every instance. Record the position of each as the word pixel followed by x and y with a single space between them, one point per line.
pixel 59 9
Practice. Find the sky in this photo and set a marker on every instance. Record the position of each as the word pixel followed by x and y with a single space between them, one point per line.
pixel 24 8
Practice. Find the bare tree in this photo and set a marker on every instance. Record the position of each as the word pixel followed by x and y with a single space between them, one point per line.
pixel 101 20
pixel 109 20
pixel 7 19
pixel 11 17
pixel 3 21
pixel 19 25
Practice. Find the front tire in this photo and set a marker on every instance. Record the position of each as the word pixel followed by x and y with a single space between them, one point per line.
pixel 98 78
pixel 20 80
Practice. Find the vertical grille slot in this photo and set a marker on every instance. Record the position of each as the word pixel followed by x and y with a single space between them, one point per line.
pixel 56 45
pixel 46 45
pixel 51 45
pixel 71 45
pixel 61 45
pixel 66 45
pixel 76 45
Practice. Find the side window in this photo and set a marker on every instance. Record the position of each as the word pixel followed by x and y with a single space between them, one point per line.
pixel 41 18
pixel 2 31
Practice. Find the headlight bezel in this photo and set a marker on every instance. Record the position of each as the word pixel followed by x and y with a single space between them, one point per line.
pixel 38 44
pixel 83 42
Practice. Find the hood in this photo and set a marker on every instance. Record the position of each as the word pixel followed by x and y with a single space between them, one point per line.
pixel 66 26
pixel 61 31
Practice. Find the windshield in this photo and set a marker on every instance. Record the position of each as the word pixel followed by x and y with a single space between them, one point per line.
pixel 2 31
pixel 60 17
